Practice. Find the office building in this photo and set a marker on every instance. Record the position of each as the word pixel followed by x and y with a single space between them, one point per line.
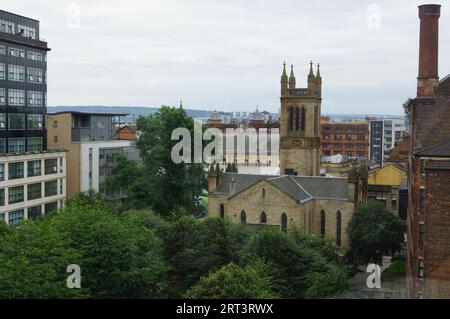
pixel 32 178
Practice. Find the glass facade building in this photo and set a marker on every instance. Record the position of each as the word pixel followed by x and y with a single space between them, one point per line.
pixel 23 87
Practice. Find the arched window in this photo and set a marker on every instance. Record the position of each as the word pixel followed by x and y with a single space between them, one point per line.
pixel 297 118
pixel 338 228
pixel 263 218
pixel 243 217
pixel 291 118
pixel 322 223
pixel 303 119
pixel 222 211
pixel 264 192
pixel 284 222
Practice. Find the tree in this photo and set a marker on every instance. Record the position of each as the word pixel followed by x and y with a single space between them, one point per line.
pixel 129 175
pixel 299 267
pixel 234 282
pixel 159 182
pixel 375 231
pixel 33 263
pixel 194 248
pixel 120 257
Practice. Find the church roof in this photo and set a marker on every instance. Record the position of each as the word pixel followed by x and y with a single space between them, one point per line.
pixel 300 188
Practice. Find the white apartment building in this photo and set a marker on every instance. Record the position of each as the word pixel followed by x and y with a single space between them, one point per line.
pixel 31 185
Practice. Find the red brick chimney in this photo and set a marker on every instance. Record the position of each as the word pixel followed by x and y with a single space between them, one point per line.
pixel 429 48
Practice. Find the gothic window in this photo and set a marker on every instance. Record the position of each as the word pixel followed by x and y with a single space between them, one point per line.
pixel 263 218
pixel 264 192
pixel 243 217
pixel 338 228
pixel 222 211
pixel 291 118
pixel 297 118
pixel 322 223
pixel 284 222
pixel 303 119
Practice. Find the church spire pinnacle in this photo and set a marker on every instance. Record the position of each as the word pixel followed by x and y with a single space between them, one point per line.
pixel 292 78
pixel 311 72
pixel 318 71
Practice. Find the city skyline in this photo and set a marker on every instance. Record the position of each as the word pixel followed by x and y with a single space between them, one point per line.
pixel 229 56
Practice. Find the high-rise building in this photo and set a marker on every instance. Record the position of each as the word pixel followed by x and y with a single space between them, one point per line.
pixel 385 134
pixel 429 170
pixel 300 125
pixel 32 178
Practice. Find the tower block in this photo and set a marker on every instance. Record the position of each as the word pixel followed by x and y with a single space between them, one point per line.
pixel 300 124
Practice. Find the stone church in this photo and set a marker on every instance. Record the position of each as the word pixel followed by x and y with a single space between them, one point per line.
pixel 299 197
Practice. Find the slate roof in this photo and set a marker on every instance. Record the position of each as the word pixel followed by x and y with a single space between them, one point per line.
pixel 300 188
pixel 441 149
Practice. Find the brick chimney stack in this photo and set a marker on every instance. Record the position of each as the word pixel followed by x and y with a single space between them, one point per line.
pixel 429 48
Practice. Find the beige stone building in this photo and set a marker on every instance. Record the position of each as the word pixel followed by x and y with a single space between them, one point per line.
pixel 300 198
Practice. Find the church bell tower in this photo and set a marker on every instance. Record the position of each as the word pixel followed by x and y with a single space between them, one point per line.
pixel 300 124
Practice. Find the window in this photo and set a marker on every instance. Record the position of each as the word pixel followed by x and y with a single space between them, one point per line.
pixel 51 207
pixel 16 121
pixel 18 53
pixel 55 139
pixel 297 118
pixel 16 145
pixel 7 27
pixel 2 121
pixel 35 98
pixel 2 217
pixel 2 197
pixel 2 146
pixel 284 222
pixel 34 75
pixel 26 32
pixel 55 124
pixel 51 166
pixel 338 228
pixel 51 188
pixel 35 144
pixel 16 217
pixel 16 97
pixel 34 191
pixel 34 121
pixel 422 199
pixel 2 49
pixel 15 194
pixel 2 71
pixel 303 119
pixel 222 211
pixel 16 73
pixel 2 96
pixel 421 268
pixel 34 168
pixel 322 223
pixel 15 170
pixel 243 217
pixel 291 118
pixel 34 212
pixel 263 218
pixel 2 172
pixel 35 56
pixel 421 235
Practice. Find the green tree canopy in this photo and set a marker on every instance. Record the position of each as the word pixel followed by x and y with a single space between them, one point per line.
pixel 375 231
pixel 234 282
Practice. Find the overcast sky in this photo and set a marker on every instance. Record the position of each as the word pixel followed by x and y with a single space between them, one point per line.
pixel 228 54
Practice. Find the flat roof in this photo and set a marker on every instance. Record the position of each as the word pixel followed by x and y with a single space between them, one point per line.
pixel 18 15
pixel 90 113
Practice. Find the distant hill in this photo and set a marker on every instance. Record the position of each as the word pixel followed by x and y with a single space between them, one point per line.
pixel 134 111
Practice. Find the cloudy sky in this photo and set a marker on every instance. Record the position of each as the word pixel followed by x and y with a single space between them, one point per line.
pixel 227 54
